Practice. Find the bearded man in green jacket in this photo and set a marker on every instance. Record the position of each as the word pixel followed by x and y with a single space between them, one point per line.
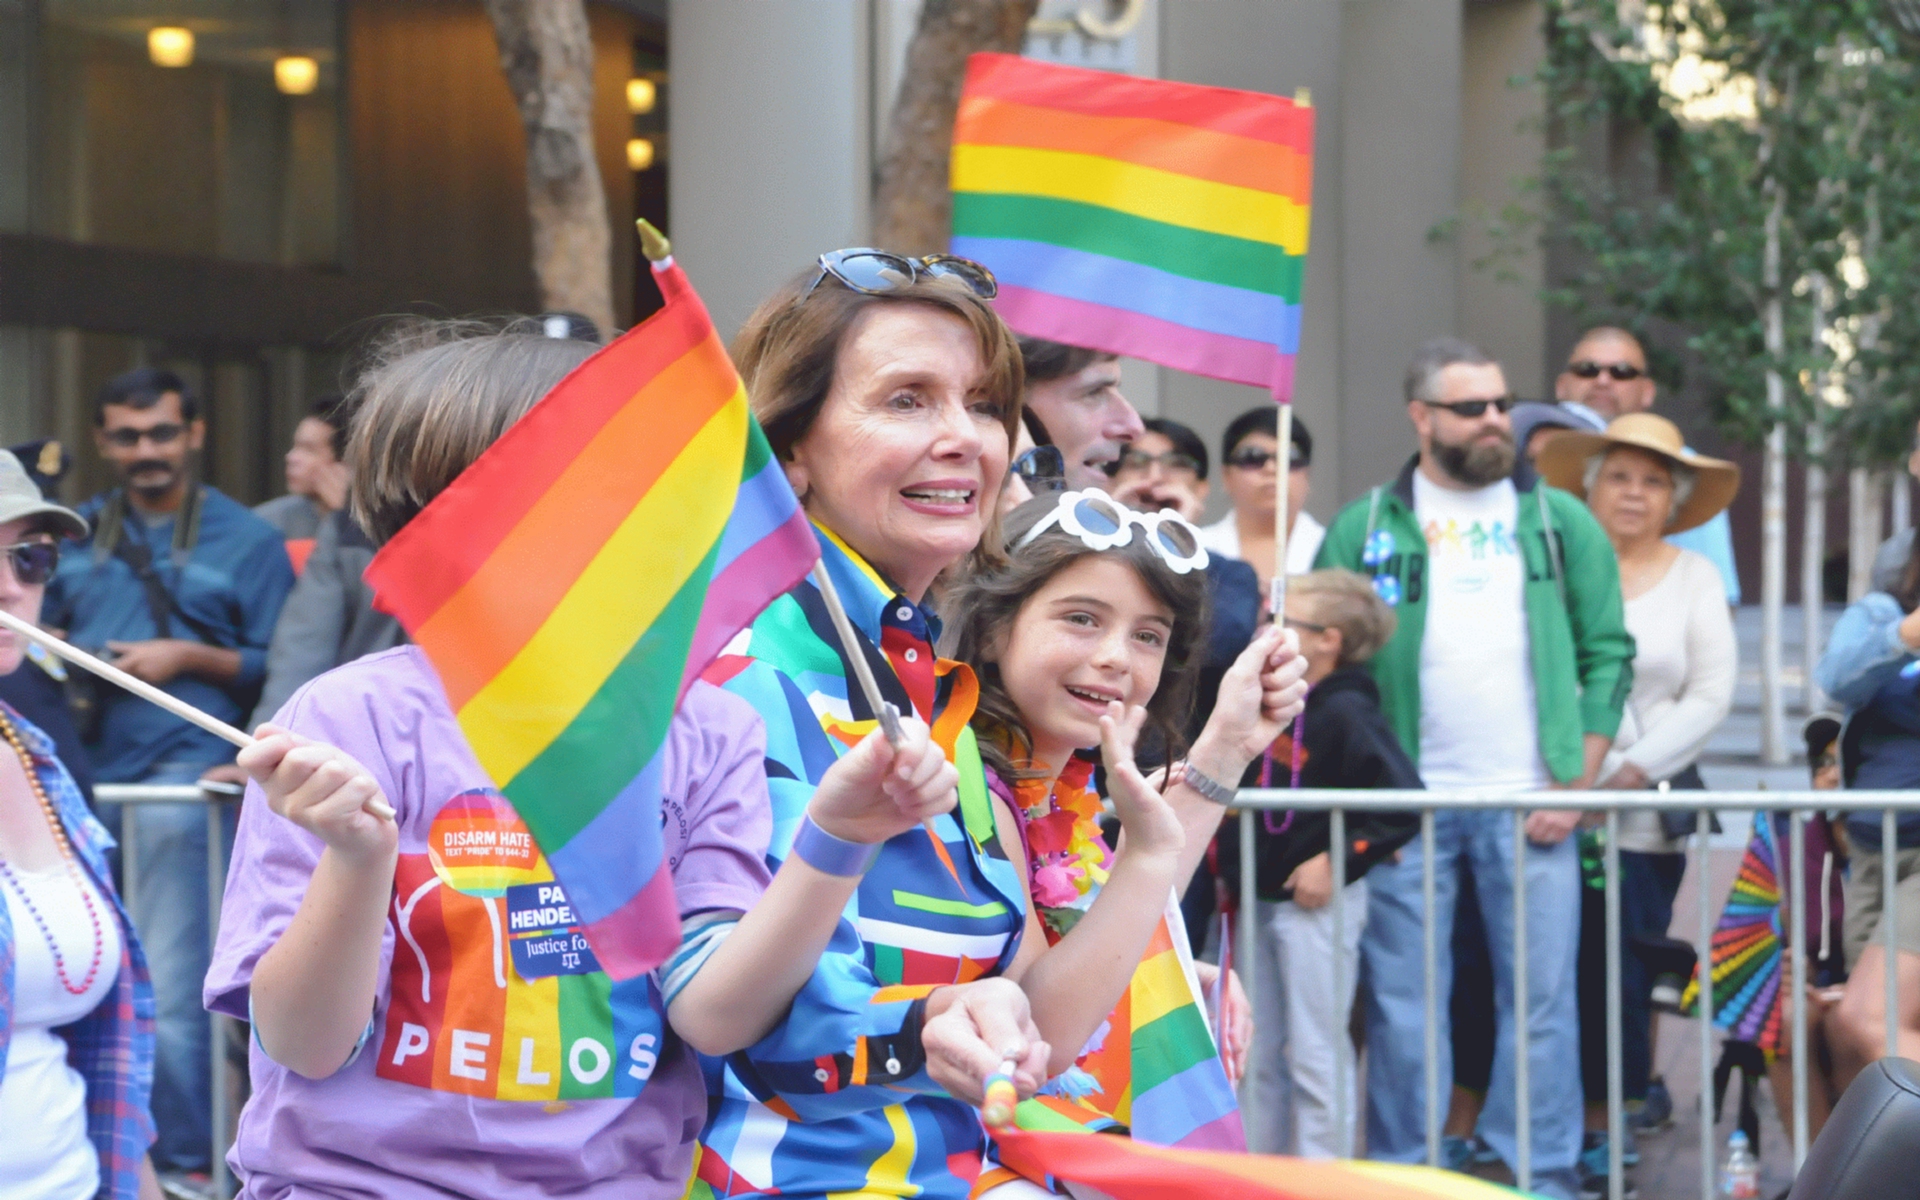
pixel 1508 672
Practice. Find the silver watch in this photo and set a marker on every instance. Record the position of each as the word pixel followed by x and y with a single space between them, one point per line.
pixel 1206 785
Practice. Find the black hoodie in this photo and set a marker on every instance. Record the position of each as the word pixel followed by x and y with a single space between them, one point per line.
pixel 1345 743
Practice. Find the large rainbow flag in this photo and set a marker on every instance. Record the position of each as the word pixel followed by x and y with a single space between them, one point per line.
pixel 1128 1169
pixel 574 582
pixel 1162 220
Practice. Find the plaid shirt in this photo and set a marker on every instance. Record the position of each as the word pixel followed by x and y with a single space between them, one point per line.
pixel 112 1046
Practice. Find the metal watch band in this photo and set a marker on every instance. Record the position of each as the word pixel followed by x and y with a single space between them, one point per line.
pixel 1206 785
pixel 832 855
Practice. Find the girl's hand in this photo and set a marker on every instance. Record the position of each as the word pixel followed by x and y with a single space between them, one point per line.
pixel 322 790
pixel 877 791
pixel 1151 826
pixel 1260 695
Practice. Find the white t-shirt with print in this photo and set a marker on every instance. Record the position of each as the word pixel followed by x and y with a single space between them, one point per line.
pixel 1478 724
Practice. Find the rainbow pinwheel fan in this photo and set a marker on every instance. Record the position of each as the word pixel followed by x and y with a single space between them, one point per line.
pixel 1747 957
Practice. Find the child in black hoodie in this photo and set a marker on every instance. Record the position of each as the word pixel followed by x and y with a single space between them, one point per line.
pixel 1345 743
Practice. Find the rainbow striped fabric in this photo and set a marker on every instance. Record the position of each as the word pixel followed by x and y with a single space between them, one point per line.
pixel 1162 220
pixel 578 577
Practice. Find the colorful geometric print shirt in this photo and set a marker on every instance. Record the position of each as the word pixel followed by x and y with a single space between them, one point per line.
pixel 837 1099
pixel 503 1062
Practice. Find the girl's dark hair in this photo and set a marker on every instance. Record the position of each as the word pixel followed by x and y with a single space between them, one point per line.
pixel 1907 591
pixel 980 610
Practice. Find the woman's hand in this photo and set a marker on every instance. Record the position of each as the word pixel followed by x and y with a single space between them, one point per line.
pixel 1151 826
pixel 877 791
pixel 1238 1018
pixel 1312 881
pixel 1260 695
pixel 323 791
pixel 971 1028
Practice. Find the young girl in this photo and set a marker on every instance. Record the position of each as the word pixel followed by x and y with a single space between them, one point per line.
pixel 1089 633
pixel 410 1038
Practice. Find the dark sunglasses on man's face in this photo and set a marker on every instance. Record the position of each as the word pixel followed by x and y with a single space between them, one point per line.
pixel 1471 409
pixel 1172 460
pixel 32 563
pixel 1252 459
pixel 1591 370
pixel 160 435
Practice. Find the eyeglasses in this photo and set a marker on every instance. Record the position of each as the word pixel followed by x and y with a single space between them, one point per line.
pixel 1044 468
pixel 1172 460
pixel 1103 523
pixel 32 562
pixel 876 272
pixel 1309 626
pixel 159 435
pixel 1591 370
pixel 1253 459
pixel 1472 408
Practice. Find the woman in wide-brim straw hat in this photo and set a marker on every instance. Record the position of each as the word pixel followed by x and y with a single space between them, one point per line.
pixel 1642 484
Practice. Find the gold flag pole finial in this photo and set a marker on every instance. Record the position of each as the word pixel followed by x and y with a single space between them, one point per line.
pixel 653 243
pixel 1303 97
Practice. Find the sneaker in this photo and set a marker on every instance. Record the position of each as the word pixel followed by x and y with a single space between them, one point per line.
pixel 1656 1112
pixel 1592 1168
pixel 1456 1153
pixel 187 1185
pixel 1483 1154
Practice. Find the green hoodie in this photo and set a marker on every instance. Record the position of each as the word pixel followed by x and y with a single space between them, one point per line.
pixel 1576 620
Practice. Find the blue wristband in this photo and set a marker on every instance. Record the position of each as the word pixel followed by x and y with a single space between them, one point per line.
pixel 832 855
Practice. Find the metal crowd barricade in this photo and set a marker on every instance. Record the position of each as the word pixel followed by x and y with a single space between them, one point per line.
pixel 1798 804
pixel 216 798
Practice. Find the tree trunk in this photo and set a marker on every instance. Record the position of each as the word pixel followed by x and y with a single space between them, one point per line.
pixel 1773 495
pixel 912 207
pixel 1813 553
pixel 1864 504
pixel 546 51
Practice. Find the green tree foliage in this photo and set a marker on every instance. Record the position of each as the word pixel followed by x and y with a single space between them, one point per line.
pixel 1679 130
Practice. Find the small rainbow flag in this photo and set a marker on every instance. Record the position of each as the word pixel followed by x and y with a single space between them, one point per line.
pixel 574 582
pixel 1162 220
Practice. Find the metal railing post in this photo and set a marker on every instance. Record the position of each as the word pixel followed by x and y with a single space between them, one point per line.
pixel 216 1031
pixel 1522 1013
pixel 1797 915
pixel 1704 949
pixel 1430 949
pixel 1248 951
pixel 1616 1089
pixel 1889 922
pixel 1342 1043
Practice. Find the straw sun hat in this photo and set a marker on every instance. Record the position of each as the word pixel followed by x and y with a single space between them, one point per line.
pixel 1563 463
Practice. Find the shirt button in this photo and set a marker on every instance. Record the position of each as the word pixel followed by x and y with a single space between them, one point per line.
pixel 904 613
pixel 820 1073
pixel 913 656
pixel 893 1066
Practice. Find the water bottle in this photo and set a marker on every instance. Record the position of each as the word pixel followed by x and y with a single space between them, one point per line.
pixel 1740 1178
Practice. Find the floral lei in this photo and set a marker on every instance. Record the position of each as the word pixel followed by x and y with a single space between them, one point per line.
pixel 1067 859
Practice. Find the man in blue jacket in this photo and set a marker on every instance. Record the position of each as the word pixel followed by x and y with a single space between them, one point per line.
pixel 180 586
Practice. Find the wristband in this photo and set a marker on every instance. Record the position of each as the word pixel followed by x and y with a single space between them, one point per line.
pixel 832 855
pixel 1206 785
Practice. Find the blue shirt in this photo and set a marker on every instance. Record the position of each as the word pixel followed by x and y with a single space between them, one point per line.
pixel 1714 539
pixel 233 584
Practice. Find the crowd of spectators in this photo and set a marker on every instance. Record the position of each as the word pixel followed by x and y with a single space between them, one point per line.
pixel 1538 599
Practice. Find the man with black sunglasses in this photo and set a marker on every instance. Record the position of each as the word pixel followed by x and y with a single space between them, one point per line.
pixel 1606 377
pixel 180 585
pixel 1508 671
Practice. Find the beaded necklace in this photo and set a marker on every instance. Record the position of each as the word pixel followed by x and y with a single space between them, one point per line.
pixel 73 869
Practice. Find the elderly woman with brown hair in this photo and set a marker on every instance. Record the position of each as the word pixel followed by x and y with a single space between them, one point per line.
pixel 1643 483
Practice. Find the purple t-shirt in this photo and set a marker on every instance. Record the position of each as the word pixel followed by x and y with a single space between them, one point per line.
pixel 502 1062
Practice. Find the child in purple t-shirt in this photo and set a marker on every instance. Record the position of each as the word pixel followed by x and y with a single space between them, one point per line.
pixel 425 1022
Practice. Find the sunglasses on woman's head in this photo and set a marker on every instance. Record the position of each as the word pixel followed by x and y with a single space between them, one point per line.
pixel 32 563
pixel 1591 370
pixel 1044 468
pixel 877 272
pixel 1102 523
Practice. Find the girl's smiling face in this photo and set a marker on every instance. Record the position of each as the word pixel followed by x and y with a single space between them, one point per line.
pixel 1092 634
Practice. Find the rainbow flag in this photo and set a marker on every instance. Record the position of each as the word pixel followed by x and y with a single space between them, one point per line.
pixel 1128 1169
pixel 1162 220
pixel 576 579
